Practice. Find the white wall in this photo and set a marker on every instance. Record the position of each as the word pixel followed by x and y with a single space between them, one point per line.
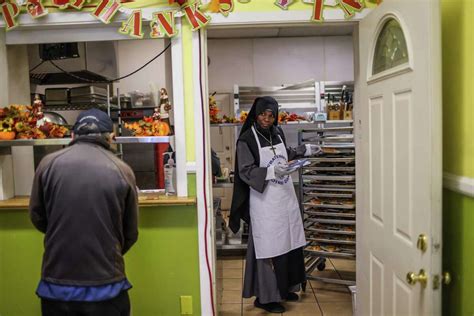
pixel 132 54
pixel 276 61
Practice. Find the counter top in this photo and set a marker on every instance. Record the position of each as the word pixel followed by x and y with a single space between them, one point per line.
pixel 22 202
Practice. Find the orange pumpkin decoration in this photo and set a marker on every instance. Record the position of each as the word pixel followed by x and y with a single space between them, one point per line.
pixel 7 135
pixel 161 128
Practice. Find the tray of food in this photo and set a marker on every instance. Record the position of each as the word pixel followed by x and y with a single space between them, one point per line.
pixel 345 206
pixel 342 178
pixel 329 251
pixel 329 129
pixel 309 188
pixel 348 230
pixel 330 221
pixel 330 168
pixel 331 186
pixel 329 195
pixel 331 241
pixel 330 138
pixel 332 160
pixel 331 214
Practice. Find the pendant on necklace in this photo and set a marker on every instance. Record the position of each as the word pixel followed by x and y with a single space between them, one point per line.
pixel 273 149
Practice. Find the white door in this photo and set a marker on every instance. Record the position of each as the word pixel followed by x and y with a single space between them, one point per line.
pixel 398 123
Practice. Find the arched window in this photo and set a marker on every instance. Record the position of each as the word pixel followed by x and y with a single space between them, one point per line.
pixel 391 47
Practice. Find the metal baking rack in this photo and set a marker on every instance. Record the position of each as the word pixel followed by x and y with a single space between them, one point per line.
pixel 327 197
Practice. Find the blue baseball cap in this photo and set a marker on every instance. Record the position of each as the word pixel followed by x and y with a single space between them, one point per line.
pixel 102 122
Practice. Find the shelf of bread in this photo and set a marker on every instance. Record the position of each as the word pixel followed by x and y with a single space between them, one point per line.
pixel 328 188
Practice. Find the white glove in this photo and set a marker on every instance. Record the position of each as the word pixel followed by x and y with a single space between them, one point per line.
pixel 312 150
pixel 280 171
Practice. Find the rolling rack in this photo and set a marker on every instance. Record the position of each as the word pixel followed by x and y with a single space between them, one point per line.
pixel 327 197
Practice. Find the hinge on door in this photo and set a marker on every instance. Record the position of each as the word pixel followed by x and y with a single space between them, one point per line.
pixel 437 279
pixel 436 282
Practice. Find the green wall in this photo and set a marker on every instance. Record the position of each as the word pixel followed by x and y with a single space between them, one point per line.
pixel 458 255
pixel 458 153
pixel 458 84
pixel 162 265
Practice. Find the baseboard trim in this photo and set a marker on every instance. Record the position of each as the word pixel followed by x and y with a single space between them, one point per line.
pixel 463 185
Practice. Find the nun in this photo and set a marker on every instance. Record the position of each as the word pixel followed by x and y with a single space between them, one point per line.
pixel 265 198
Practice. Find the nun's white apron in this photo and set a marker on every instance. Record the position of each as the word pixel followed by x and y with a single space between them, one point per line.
pixel 277 227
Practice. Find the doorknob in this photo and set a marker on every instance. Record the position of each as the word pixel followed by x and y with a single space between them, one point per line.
pixel 421 278
pixel 422 243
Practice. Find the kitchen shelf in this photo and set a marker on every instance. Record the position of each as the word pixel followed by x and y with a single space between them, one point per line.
pixel 331 179
pixel 66 141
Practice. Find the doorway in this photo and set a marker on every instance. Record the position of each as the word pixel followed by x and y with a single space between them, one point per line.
pixel 305 69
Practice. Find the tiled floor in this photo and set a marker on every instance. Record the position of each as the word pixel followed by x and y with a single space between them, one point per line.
pixel 319 299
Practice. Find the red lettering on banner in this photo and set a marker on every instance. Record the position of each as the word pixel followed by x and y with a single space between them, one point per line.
pixel 225 6
pixel 10 12
pixel 354 4
pixel 78 4
pixel 106 10
pixel 284 4
pixel 318 11
pixel 35 9
pixel 349 6
pixel 64 4
pixel 195 17
pixel 133 25
pixel 180 2
pixel 163 25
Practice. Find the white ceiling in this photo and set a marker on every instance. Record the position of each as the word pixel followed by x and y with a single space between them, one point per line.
pixel 297 31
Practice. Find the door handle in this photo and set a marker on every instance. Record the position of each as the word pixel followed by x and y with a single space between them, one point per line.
pixel 421 277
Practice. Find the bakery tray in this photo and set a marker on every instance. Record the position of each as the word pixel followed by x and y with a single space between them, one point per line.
pixel 330 169
pixel 331 221
pixel 335 206
pixel 344 178
pixel 332 159
pixel 332 241
pixel 330 138
pixel 330 231
pixel 331 214
pixel 335 188
pixel 328 129
pixel 339 146
pixel 329 195
pixel 330 254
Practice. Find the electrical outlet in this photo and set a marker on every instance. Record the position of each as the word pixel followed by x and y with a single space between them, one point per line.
pixel 186 305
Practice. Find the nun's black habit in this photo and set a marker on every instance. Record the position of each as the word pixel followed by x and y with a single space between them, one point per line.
pixel 270 280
